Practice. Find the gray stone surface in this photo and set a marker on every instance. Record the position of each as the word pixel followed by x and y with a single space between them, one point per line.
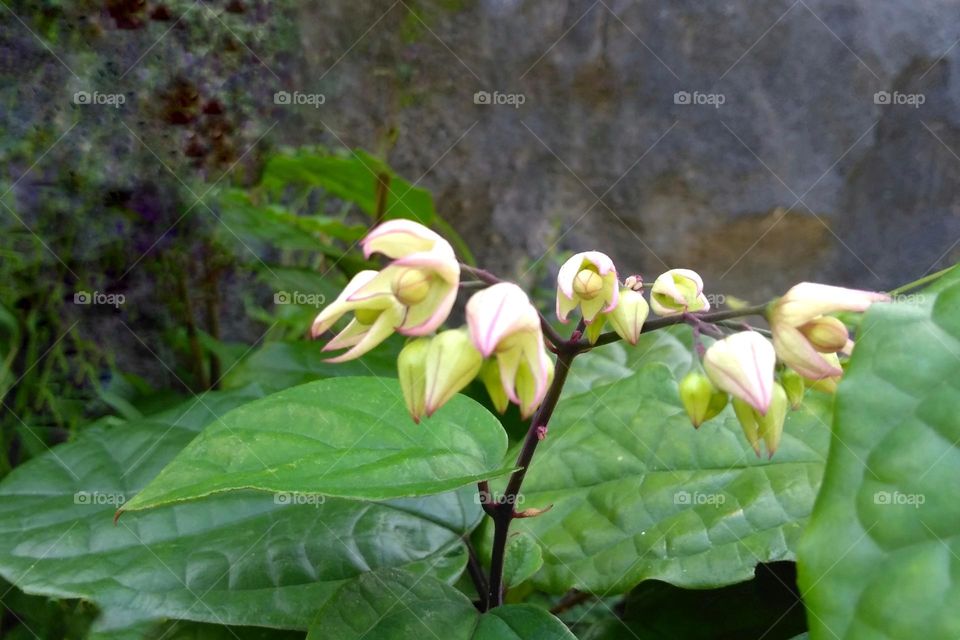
pixel 798 174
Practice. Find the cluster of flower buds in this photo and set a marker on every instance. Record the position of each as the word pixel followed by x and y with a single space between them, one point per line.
pixel 503 342
pixel 744 365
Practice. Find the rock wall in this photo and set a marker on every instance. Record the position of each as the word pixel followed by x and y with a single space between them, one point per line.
pixel 780 161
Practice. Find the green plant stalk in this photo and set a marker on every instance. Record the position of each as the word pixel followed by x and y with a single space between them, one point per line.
pixel 919 282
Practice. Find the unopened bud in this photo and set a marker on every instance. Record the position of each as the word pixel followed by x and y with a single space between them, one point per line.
pixel 412 371
pixel 826 333
pixel 700 398
pixel 792 383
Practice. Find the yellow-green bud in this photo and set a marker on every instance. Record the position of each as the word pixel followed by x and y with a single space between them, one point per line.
pixel 452 363
pixel 700 398
pixel 826 333
pixel 595 328
pixel 412 371
pixel 769 427
pixel 794 386
pixel 367 316
pixel 490 376
pixel 588 284
pixel 411 286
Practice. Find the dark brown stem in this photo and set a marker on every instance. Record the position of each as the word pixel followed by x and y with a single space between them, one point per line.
pixel 504 509
pixel 570 600
pixel 475 569
pixel 660 323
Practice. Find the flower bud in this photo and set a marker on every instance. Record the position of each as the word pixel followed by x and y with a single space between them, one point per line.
pixel 629 315
pixel 802 332
pixel 412 371
pixel 504 324
pixel 743 365
pixel 374 319
pixel 587 280
pixel 677 291
pixel 769 427
pixel 634 283
pixel 490 376
pixel 794 385
pixel 827 384
pixel 826 334
pixel 452 363
pixel 700 398
pixel 595 328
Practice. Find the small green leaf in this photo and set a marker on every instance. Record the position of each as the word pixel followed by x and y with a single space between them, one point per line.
pixel 396 605
pixel 523 559
pixel 344 437
pixel 879 557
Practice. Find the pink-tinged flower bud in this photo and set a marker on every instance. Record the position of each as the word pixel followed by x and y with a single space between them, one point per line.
pixel 374 319
pixel 742 365
pixel 634 283
pixel 412 372
pixel 423 277
pixel 700 398
pixel 587 280
pixel 802 333
pixel 628 317
pixel 503 324
pixel 827 384
pixel 452 363
pixel 677 291
pixel 757 426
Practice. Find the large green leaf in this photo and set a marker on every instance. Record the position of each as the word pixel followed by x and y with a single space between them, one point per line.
pixel 395 605
pixel 345 437
pixel 638 493
pixel 240 558
pixel 880 557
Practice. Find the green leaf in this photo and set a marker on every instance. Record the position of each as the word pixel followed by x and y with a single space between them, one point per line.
pixel 345 437
pixel 878 558
pixel 396 605
pixel 672 346
pixel 638 493
pixel 523 559
pixel 353 178
pixel 280 365
pixel 240 558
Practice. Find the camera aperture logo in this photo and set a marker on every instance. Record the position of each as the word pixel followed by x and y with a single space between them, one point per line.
pixel 293 498
pixel 899 99
pixel 895 498
pixel 297 98
pixel 99 499
pixel 115 100
pixel 715 100
pixel 696 499
pixel 316 300
pixel 99 298
pixel 497 98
